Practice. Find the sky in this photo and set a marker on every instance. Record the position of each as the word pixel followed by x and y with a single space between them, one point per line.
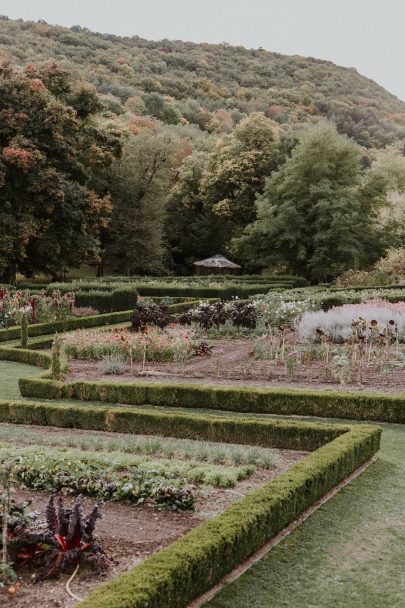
pixel 366 34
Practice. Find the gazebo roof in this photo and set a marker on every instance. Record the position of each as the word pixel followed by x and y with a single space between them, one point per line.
pixel 217 261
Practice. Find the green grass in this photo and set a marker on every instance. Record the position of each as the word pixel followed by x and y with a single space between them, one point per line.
pixel 350 553
pixel 10 372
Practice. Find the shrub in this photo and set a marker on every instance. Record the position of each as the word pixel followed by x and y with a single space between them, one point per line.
pixel 113 364
pixel 393 264
pixel 24 331
pixel 56 366
pixel 354 406
pixel 40 329
pixel 122 298
pixel 150 313
pixel 363 278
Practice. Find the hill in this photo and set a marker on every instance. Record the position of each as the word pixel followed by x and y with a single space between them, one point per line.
pixel 212 86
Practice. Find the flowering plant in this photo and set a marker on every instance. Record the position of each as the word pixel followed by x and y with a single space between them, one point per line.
pixel 170 344
pixel 38 308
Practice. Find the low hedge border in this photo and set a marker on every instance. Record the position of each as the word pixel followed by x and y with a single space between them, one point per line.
pixel 25 355
pixel 176 575
pixel 40 329
pixel 329 404
pixel 43 329
pixel 249 431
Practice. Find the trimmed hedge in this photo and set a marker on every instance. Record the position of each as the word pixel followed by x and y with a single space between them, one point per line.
pixel 43 329
pixel 176 575
pixel 330 404
pixel 248 431
pixel 225 293
pixel 122 298
pixel 23 355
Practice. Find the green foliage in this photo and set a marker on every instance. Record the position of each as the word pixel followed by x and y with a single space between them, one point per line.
pixel 224 429
pixel 140 185
pixel 24 330
pixel 235 174
pixel 185 451
pixel 353 406
pixel 310 215
pixel 54 471
pixel 190 228
pixel 210 86
pixel 42 329
pixel 51 151
pixel 121 298
pixel 56 365
pixel 194 563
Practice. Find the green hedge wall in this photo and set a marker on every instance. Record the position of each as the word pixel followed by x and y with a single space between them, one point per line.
pixel 122 298
pixel 330 404
pixel 32 357
pixel 176 575
pixel 94 291
pixel 225 293
pixel 43 329
pixel 248 431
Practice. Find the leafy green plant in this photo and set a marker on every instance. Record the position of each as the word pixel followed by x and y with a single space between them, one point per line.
pixel 150 313
pixel 56 365
pixel 42 470
pixel 24 331
pixel 113 364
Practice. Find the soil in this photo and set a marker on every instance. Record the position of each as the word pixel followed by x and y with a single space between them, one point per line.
pixel 129 535
pixel 232 363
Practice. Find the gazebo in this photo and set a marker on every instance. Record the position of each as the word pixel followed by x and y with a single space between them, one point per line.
pixel 218 264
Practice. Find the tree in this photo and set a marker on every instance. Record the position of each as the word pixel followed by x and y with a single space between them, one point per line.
pixel 53 172
pixel 236 172
pixel 192 231
pixel 158 107
pixel 140 186
pixel 310 215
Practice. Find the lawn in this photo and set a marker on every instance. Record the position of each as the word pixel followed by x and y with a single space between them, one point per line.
pixel 10 372
pixel 351 552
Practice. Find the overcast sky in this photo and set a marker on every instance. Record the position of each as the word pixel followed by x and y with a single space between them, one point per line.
pixel 366 34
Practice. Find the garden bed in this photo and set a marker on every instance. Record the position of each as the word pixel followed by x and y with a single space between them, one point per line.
pixel 129 534
pixel 233 363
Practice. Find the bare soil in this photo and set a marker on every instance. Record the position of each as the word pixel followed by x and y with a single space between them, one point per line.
pixel 130 534
pixel 232 363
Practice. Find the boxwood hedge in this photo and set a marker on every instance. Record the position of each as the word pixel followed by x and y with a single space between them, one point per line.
pixel 42 329
pixel 330 404
pixel 176 575
pixel 249 431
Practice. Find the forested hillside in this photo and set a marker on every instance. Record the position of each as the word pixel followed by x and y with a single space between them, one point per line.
pixel 143 157
pixel 212 86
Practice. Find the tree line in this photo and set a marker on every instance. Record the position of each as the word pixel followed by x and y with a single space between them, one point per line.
pixel 150 198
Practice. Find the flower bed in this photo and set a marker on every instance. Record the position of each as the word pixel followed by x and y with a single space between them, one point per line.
pixel 171 344
pixel 38 308
pixel 379 318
